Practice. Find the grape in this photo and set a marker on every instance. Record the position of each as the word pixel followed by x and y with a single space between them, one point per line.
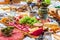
pixel 28 20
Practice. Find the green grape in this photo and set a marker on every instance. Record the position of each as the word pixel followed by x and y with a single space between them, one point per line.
pixel 35 21
pixel 21 21
pixel 28 20
pixel 47 1
pixel 24 20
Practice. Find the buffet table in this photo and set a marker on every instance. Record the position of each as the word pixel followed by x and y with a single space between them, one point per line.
pixel 17 23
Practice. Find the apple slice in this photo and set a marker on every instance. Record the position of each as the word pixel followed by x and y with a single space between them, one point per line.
pixel 37 32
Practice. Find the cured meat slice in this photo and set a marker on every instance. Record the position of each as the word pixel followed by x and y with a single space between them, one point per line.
pixel 16 35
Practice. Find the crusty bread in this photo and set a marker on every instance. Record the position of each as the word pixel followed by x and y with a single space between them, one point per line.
pixel 53 13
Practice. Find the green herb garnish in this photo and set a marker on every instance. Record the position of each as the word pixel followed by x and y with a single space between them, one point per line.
pixel 7 31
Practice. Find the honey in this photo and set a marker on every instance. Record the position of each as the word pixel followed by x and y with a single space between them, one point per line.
pixel 4 1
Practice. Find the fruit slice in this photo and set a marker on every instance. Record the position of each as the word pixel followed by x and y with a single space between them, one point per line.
pixel 37 32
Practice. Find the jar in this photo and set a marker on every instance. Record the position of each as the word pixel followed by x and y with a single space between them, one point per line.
pixel 43 12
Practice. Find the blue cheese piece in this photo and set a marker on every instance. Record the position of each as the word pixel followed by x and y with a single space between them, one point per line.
pixel 3 13
pixel 2 26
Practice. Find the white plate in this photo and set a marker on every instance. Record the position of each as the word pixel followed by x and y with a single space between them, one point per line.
pixel 28 38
